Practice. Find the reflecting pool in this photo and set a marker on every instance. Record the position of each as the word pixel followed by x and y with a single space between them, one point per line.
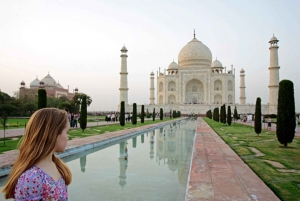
pixel 150 166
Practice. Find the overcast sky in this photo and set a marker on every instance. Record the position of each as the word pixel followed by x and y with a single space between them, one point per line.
pixel 79 42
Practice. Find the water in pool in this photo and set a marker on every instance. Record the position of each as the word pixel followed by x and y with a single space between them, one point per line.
pixel 150 166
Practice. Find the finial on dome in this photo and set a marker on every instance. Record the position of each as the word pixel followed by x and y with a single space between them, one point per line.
pixel 194 34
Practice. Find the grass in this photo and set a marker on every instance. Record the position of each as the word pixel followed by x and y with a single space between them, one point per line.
pixel 98 130
pixel 10 144
pixel 15 123
pixel 240 137
pixel 89 131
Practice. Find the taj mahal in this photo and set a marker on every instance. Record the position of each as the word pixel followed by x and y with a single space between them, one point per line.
pixel 197 84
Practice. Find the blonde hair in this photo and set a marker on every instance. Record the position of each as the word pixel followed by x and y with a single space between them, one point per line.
pixel 39 140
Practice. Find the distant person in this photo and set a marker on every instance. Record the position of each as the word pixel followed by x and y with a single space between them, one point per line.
pixel 269 123
pixel 38 173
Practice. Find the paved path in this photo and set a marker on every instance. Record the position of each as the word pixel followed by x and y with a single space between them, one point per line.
pixel 218 173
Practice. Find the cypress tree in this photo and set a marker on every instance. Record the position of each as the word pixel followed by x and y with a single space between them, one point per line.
pixel 217 114
pixel 221 114
pixel 42 98
pixel 257 117
pixel 174 113
pixel 134 117
pixel 286 113
pixel 161 114
pixel 170 114
pixel 142 114
pixel 235 115
pixel 83 114
pixel 122 114
pixel 229 115
pixel 153 115
pixel 178 113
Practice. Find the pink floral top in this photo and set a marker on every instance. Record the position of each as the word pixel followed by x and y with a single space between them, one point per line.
pixel 35 184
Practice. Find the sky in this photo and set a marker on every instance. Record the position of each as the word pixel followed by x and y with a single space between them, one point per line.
pixel 79 43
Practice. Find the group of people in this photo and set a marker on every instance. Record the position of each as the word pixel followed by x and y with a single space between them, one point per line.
pixel 73 119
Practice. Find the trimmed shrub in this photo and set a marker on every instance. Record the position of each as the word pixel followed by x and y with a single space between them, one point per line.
pixel 161 114
pixel 122 114
pixel 229 115
pixel 153 114
pixel 83 114
pixel 142 114
pixel 235 114
pixel 134 117
pixel 257 117
pixel 42 98
pixel 286 113
pixel 174 113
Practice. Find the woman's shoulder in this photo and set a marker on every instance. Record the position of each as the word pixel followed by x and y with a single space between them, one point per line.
pixel 32 174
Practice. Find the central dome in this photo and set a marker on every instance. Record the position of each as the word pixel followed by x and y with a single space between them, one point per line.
pixel 194 53
pixel 49 81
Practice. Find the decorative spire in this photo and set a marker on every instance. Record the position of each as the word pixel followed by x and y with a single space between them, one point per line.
pixel 194 34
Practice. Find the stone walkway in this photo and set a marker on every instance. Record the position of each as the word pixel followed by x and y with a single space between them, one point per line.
pixel 218 173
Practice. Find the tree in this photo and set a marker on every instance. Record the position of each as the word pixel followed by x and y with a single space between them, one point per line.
pixel 257 117
pixel 170 114
pixel 178 113
pixel 235 115
pixel 83 114
pixel 161 114
pixel 217 114
pixel 209 114
pixel 153 115
pixel 286 113
pixel 122 114
pixel 30 107
pixel 224 115
pixel 77 99
pixel 229 115
pixel 134 117
pixel 7 108
pixel 142 114
pixel 42 98
pixel 174 113
pixel 221 114
pixel 3 121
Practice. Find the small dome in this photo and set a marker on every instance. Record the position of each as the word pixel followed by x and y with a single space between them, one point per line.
pixel 59 86
pixel 273 39
pixel 152 73
pixel 22 83
pixel 242 71
pixel 76 89
pixel 194 53
pixel 173 66
pixel 124 49
pixel 216 64
pixel 49 81
pixel 35 83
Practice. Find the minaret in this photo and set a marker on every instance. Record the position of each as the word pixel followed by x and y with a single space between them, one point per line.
pixel 123 76
pixel 123 161
pixel 152 89
pixel 242 88
pixel 274 76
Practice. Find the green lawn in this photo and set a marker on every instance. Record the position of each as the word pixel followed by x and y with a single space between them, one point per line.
pixel 90 131
pixel 241 138
pixel 15 123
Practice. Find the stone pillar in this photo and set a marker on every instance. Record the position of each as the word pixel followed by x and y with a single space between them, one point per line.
pixel 242 88
pixel 274 76
pixel 152 99
pixel 123 77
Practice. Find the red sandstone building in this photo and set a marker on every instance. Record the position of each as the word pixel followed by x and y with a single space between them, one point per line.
pixel 53 88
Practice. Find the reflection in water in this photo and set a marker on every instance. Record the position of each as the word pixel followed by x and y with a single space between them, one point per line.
pixel 134 142
pixel 82 163
pixel 123 160
pixel 142 138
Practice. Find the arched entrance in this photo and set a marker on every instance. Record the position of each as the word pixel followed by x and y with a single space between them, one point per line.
pixel 194 92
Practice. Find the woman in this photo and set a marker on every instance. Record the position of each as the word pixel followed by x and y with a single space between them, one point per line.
pixel 38 173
